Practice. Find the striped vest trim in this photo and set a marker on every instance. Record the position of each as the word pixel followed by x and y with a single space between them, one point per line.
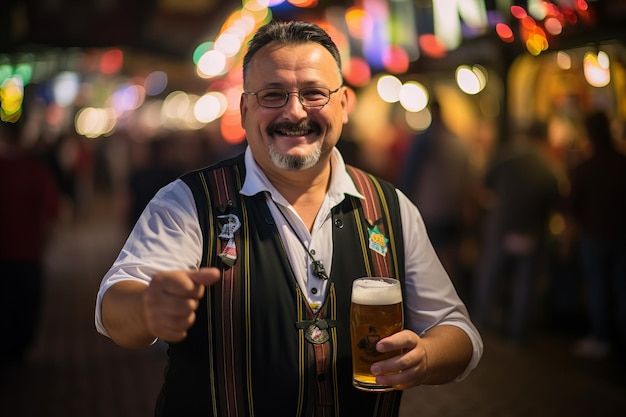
pixel 306 380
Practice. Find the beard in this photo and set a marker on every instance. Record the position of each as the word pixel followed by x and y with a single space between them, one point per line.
pixel 294 162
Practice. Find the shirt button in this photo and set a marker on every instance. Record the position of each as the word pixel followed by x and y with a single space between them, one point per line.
pixel 312 252
pixel 314 290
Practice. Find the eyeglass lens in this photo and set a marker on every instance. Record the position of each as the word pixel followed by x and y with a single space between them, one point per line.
pixel 278 97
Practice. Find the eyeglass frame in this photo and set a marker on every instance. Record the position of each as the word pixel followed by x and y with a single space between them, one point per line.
pixel 289 93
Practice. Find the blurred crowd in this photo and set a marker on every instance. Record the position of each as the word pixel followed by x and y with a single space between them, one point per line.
pixel 534 242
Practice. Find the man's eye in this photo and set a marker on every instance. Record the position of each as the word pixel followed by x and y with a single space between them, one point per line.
pixel 314 94
pixel 273 95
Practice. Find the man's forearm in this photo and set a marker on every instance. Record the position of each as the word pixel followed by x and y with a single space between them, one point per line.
pixel 449 351
pixel 123 315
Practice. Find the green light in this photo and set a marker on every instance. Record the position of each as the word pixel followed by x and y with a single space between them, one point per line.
pixel 201 50
pixel 6 71
pixel 25 71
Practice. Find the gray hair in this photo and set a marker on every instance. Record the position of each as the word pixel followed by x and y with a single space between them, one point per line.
pixel 289 33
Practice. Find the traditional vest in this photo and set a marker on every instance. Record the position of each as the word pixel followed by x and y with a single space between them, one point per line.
pixel 244 355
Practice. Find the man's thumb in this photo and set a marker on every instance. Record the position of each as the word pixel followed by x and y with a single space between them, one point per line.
pixel 205 276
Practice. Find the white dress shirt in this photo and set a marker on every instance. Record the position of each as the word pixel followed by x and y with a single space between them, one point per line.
pixel 167 236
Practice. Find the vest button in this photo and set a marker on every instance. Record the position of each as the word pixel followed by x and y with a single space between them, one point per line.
pixel 269 220
pixel 339 223
pixel 321 377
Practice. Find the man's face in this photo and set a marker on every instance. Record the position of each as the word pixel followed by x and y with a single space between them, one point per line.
pixel 293 137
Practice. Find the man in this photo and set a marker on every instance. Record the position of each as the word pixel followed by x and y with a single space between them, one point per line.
pixel 236 346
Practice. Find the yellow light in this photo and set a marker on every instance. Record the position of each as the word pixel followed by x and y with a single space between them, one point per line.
pixel 209 107
pixel 470 80
pixel 358 22
pixel 563 60
pixel 595 74
pixel 413 96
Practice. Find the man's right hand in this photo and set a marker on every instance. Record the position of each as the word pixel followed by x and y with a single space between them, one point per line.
pixel 135 314
pixel 171 300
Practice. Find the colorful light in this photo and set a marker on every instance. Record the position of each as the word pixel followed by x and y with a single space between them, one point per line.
pixel 111 61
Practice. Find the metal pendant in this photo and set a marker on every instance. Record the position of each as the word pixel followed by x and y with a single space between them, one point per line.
pixel 317 333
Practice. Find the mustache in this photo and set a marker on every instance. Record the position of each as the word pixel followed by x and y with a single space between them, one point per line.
pixel 295 128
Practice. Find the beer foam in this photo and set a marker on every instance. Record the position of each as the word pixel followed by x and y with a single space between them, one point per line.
pixel 375 292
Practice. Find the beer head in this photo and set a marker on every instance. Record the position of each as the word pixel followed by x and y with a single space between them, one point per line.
pixel 376 291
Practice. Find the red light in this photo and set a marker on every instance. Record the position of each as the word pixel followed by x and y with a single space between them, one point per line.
pixel 505 32
pixel 518 12
pixel 432 46
pixel 358 72
pixel 111 61
pixel 396 60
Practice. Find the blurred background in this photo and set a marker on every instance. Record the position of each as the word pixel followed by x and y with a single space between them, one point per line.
pixel 476 109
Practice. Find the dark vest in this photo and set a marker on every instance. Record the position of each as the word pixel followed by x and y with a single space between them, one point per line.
pixel 244 355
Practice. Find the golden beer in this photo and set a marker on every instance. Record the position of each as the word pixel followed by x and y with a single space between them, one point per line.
pixel 376 313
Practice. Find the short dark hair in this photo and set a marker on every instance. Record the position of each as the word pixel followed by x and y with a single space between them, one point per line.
pixel 286 33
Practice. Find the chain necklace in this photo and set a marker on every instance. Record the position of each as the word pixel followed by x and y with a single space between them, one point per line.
pixel 316 330
pixel 316 265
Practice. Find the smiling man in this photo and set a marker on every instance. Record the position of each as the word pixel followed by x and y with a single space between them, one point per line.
pixel 239 264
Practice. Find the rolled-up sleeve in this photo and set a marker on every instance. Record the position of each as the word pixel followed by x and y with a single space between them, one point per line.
pixel 431 298
pixel 167 236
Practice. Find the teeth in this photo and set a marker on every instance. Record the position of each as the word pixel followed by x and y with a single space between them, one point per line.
pixel 294 133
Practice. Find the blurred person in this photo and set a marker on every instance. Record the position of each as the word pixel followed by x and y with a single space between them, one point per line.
pixel 524 193
pixel 596 219
pixel 293 238
pixel 436 178
pixel 29 208
pixel 69 159
pixel 159 167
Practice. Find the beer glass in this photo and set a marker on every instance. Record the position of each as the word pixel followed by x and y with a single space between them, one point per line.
pixel 376 312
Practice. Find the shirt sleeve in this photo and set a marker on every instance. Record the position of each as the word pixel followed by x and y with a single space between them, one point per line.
pixel 431 298
pixel 167 236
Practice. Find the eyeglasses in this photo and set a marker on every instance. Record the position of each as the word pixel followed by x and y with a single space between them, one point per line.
pixel 310 97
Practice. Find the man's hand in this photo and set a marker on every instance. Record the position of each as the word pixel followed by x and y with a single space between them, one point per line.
pixel 438 357
pixel 171 300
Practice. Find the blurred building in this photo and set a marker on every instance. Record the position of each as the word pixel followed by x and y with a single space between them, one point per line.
pixel 144 68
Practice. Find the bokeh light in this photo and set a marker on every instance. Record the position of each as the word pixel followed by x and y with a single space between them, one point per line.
pixel 65 87
pixel 596 73
pixel 413 96
pixel 210 107
pixel 155 83
pixel 111 61
pixel 388 88
pixel 471 80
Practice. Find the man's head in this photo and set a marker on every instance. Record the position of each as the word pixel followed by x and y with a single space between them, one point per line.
pixel 294 105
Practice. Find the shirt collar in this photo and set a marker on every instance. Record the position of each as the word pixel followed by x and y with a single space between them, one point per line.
pixel 340 182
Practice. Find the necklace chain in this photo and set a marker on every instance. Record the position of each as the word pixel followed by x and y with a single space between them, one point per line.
pixel 316 265
pixel 316 330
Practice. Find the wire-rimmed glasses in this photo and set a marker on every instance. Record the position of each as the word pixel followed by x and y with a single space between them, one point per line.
pixel 310 97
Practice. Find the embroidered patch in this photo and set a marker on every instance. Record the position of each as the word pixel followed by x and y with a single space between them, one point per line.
pixel 378 241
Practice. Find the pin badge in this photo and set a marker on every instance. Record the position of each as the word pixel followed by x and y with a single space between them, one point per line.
pixel 230 224
pixel 377 241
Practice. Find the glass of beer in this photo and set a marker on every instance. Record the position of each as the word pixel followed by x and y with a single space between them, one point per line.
pixel 376 313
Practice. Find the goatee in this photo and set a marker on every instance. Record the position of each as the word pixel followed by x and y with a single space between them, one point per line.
pixel 294 162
